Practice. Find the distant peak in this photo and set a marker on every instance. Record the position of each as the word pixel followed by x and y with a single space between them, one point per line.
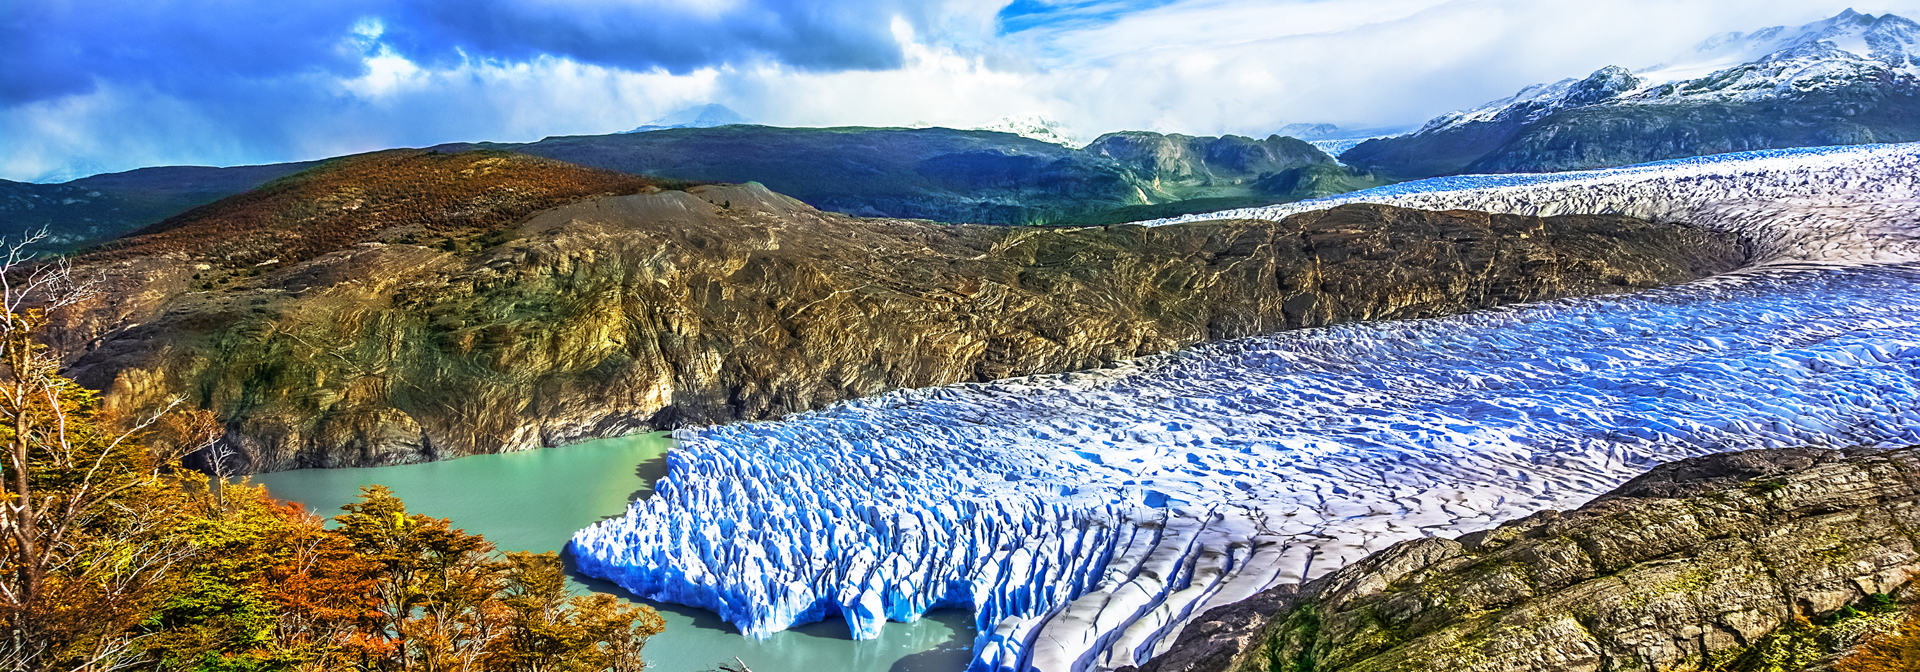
pixel 698 116
pixel 1035 127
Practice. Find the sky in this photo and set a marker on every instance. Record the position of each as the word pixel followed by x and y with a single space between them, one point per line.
pixel 92 86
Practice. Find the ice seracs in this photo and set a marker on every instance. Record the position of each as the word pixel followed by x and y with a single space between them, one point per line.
pixel 1086 517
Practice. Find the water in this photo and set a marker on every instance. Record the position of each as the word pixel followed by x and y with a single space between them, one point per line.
pixel 534 500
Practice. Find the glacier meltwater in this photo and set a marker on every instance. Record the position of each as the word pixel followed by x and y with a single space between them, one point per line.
pixel 1086 517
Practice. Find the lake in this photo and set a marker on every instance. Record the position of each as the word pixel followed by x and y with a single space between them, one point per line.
pixel 535 500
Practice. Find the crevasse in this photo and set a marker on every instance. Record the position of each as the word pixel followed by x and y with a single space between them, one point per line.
pixel 1085 517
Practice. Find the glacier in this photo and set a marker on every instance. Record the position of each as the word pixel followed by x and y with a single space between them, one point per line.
pixel 1086 517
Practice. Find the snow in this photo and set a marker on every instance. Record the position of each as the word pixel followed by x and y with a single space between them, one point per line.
pixel 1035 127
pixel 698 116
pixel 1846 49
pixel 1086 517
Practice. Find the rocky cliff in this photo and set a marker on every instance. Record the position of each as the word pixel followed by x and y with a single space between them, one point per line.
pixel 450 324
pixel 1738 561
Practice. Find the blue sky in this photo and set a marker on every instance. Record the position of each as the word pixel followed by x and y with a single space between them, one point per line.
pixel 106 85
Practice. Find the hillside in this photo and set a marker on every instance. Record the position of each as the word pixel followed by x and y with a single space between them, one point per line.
pixel 398 194
pixel 932 173
pixel 409 306
pixel 109 205
pixel 449 202
pixel 1851 79
pixel 948 175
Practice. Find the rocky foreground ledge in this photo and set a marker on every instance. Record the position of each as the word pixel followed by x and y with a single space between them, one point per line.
pixel 1697 563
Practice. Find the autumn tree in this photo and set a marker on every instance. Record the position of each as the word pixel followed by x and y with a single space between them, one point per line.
pixel 445 601
pixel 554 631
pixel 113 556
pixel 87 523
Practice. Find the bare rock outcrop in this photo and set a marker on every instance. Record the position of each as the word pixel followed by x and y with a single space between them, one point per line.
pixel 1680 569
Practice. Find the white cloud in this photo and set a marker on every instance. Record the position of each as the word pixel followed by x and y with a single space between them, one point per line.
pixel 1193 66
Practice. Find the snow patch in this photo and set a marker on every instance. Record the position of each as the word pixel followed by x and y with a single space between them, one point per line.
pixel 1035 127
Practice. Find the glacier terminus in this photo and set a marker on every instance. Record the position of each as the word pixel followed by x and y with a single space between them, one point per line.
pixel 1085 517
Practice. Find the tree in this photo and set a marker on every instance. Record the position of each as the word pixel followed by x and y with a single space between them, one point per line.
pixel 553 631
pixel 443 600
pixel 86 543
pixel 113 556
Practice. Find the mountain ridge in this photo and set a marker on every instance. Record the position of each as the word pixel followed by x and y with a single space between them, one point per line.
pixel 1851 79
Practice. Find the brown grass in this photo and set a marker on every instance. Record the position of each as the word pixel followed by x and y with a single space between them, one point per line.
pixel 355 199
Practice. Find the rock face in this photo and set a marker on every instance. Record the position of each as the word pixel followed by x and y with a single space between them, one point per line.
pixel 733 303
pixel 1691 562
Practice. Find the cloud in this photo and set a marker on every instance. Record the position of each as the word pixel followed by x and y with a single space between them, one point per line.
pixel 227 82
pixel 185 47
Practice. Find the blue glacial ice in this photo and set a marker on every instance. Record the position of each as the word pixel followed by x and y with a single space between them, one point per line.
pixel 1086 517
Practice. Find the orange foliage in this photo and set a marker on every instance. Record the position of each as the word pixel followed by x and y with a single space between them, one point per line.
pixel 323 589
pixel 351 200
pixel 1897 651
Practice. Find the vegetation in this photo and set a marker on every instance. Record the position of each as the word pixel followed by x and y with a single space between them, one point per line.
pixel 1897 650
pixel 113 557
pixel 408 195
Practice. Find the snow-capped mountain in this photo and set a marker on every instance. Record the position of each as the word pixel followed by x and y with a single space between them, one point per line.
pixel 699 116
pixel 1888 38
pixel 1035 127
pixel 1853 78
pixel 1537 101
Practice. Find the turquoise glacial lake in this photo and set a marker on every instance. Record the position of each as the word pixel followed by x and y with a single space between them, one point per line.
pixel 534 500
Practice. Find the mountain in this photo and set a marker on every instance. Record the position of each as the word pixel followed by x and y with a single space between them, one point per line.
pixel 1851 79
pixel 1035 127
pixel 940 174
pixel 1757 560
pixel 930 173
pixel 1333 139
pixel 699 116
pixel 1197 167
pixel 108 205
pixel 1208 173
pixel 413 305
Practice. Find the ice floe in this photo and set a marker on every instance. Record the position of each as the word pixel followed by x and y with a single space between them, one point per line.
pixel 1085 517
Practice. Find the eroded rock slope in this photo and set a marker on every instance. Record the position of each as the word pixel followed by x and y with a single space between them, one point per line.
pixel 479 333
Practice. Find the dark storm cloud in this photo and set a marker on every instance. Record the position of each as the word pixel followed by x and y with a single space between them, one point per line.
pixel 678 37
pixel 54 48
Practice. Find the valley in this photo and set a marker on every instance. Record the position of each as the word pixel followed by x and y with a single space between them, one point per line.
pixel 1619 372
pixel 1088 516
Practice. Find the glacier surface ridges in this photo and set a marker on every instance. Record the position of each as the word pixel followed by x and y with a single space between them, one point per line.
pixel 1085 517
